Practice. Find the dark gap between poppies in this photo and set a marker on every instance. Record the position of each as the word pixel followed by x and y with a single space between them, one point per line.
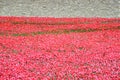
pixel 65 31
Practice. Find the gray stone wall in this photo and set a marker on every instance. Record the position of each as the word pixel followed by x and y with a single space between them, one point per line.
pixel 60 8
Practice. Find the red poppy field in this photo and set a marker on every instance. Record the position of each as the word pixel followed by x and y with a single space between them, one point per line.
pixel 59 48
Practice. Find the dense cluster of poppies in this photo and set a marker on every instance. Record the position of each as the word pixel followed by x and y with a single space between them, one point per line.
pixel 59 48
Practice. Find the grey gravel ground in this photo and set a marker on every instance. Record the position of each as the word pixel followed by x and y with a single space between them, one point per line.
pixel 60 8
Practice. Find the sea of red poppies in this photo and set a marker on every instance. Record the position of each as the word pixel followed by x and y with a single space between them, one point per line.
pixel 33 48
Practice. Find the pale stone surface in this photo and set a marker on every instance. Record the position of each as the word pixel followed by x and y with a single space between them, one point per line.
pixel 60 8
